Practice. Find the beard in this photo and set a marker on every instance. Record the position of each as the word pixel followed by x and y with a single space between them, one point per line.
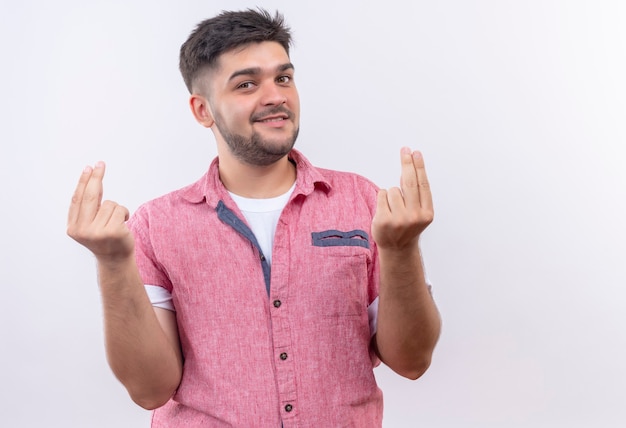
pixel 254 149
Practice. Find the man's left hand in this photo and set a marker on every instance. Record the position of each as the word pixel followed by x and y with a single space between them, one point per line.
pixel 403 213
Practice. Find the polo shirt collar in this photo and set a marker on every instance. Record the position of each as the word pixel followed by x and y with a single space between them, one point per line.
pixel 210 188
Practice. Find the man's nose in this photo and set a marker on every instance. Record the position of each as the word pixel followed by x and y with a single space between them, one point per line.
pixel 272 94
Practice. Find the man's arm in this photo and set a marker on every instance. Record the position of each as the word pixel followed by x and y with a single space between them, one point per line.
pixel 142 343
pixel 408 321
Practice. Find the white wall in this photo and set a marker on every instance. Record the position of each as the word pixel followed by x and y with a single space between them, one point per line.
pixel 518 106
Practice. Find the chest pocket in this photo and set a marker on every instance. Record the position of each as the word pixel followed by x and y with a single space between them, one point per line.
pixel 342 259
pixel 337 238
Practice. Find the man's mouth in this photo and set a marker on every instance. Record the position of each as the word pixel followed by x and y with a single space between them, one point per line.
pixel 278 114
pixel 272 119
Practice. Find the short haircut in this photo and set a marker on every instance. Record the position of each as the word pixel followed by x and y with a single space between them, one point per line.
pixel 225 32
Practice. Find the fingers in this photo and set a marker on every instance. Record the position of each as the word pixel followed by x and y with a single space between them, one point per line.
pixel 396 200
pixel 110 215
pixel 409 179
pixel 425 195
pixel 77 197
pixel 414 181
pixel 86 198
pixel 391 209
pixel 92 195
pixel 403 213
pixel 382 202
pixel 98 225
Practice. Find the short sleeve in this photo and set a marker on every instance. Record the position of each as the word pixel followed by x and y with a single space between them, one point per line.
pixel 150 270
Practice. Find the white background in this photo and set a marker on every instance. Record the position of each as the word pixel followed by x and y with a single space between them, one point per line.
pixel 518 106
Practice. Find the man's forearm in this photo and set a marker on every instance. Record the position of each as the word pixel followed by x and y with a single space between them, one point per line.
pixel 140 353
pixel 408 321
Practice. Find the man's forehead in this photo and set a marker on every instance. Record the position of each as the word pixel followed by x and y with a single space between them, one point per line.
pixel 256 54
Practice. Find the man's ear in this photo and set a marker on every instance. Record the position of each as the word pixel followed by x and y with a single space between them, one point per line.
pixel 201 110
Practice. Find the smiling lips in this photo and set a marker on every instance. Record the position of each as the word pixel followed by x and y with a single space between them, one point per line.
pixel 273 119
pixel 275 115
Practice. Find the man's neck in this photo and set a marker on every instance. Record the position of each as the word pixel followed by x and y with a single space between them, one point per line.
pixel 258 182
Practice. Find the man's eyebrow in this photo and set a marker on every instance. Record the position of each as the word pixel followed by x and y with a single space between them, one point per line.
pixel 284 67
pixel 252 71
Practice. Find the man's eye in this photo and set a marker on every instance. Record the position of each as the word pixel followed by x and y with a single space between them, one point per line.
pixel 245 85
pixel 284 79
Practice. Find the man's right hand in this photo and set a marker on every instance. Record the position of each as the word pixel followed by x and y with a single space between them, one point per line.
pixel 99 225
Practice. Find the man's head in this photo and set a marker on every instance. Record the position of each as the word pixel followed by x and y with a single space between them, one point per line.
pixel 225 32
pixel 241 79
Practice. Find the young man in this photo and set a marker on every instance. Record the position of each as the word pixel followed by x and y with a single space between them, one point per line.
pixel 263 294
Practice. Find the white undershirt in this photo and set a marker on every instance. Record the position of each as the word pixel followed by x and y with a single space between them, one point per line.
pixel 262 216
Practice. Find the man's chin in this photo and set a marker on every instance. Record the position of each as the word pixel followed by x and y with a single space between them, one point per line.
pixel 278 147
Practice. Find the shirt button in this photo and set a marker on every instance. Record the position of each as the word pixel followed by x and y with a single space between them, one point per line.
pixel 277 303
pixel 288 408
pixel 283 356
pixel 262 258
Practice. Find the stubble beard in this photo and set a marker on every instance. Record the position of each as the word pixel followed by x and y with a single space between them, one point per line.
pixel 258 151
pixel 254 149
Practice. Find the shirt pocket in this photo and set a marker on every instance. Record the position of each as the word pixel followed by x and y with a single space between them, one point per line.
pixel 342 262
pixel 337 238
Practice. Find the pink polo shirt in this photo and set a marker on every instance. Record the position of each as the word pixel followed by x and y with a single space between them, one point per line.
pixel 264 346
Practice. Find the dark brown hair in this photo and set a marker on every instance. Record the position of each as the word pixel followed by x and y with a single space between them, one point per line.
pixel 227 31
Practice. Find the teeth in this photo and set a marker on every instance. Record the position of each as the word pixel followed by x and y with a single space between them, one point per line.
pixel 276 119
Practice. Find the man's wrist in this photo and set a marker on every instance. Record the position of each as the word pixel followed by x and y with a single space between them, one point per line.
pixel 115 263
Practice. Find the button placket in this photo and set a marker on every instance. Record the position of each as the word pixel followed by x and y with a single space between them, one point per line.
pixel 281 327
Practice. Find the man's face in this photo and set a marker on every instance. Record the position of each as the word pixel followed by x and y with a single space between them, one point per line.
pixel 254 103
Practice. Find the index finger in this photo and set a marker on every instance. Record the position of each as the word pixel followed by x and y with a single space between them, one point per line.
pixel 86 200
pixel 77 197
